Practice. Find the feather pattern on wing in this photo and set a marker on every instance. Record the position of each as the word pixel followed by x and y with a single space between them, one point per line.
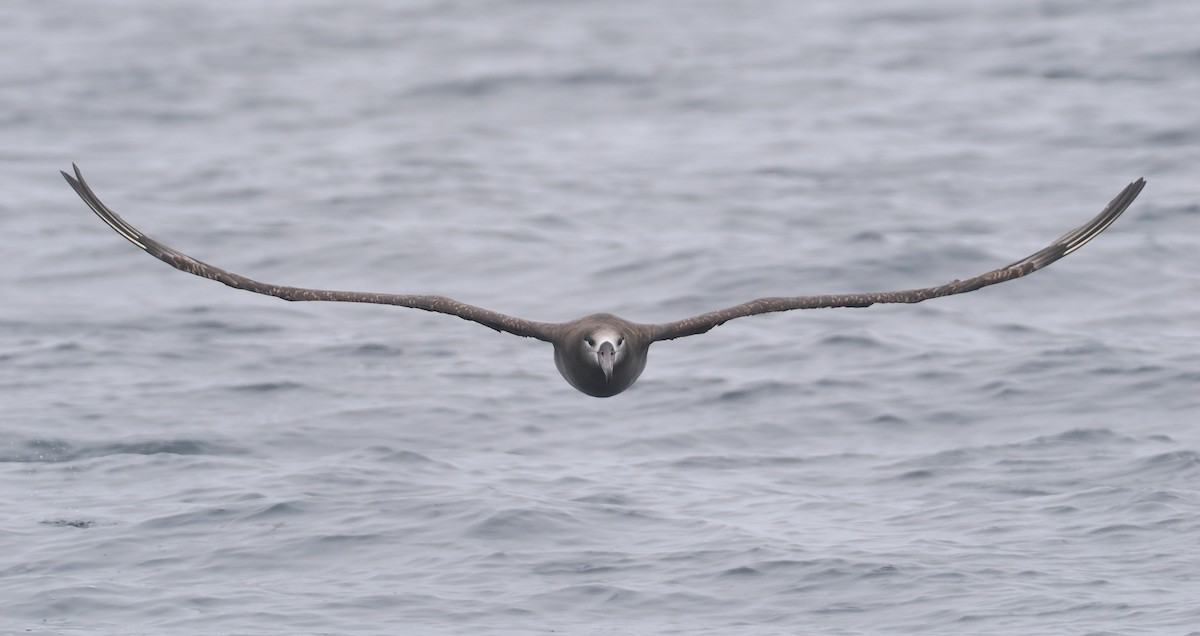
pixel 183 262
pixel 1064 245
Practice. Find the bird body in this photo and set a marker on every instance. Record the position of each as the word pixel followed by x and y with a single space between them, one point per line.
pixel 602 354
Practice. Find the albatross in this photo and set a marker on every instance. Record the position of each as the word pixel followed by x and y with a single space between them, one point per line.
pixel 602 354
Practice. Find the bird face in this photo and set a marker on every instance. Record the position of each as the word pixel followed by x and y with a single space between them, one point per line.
pixel 605 349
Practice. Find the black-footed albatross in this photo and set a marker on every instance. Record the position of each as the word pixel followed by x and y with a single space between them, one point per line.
pixel 602 354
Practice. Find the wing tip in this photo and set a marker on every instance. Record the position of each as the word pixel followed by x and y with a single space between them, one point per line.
pixel 1137 185
pixel 1084 234
pixel 76 181
pixel 128 232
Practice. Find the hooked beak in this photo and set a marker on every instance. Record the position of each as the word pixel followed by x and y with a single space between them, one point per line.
pixel 605 355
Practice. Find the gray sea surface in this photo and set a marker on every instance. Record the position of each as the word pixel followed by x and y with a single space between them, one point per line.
pixel 177 457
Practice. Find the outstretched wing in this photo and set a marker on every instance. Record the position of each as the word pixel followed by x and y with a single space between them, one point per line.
pixel 183 262
pixel 1065 244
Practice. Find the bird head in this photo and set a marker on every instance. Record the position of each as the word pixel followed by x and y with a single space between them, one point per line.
pixel 604 348
pixel 602 354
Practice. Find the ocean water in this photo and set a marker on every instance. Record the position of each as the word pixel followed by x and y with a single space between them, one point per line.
pixel 177 457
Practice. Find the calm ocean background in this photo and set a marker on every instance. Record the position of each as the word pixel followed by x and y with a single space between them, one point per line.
pixel 177 457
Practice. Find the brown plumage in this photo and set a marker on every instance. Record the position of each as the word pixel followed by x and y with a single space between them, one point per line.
pixel 602 354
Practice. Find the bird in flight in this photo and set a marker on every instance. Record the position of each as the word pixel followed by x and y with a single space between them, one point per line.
pixel 602 354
